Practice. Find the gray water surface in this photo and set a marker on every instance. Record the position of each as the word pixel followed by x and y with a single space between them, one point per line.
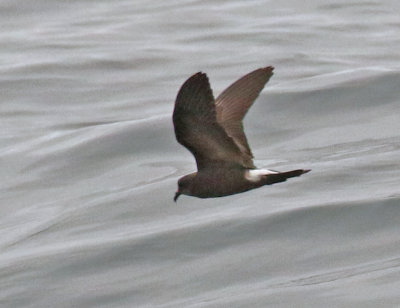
pixel 89 161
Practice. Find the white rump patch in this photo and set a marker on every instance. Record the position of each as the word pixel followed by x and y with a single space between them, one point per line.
pixel 254 175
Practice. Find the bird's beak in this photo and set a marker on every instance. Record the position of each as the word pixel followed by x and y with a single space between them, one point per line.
pixel 177 194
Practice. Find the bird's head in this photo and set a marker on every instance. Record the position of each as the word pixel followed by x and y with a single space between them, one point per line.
pixel 185 186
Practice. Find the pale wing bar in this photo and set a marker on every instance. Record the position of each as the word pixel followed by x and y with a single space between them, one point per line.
pixel 197 129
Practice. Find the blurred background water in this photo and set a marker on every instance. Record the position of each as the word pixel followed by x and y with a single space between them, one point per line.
pixel 89 161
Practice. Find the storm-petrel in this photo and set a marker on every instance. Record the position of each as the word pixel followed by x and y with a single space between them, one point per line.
pixel 212 130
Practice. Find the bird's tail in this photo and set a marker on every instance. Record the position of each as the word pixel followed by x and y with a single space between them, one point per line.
pixel 282 176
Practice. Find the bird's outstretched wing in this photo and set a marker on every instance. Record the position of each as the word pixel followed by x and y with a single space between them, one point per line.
pixel 234 102
pixel 196 127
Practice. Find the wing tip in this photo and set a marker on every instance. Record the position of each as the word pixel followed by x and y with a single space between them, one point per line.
pixel 198 75
pixel 268 69
pixel 199 79
pixel 192 84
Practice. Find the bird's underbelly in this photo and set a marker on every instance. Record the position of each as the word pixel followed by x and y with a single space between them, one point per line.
pixel 221 183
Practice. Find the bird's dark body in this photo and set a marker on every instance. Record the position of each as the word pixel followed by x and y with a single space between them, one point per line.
pixel 212 130
pixel 220 182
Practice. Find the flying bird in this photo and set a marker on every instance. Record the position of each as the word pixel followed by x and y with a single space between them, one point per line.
pixel 212 130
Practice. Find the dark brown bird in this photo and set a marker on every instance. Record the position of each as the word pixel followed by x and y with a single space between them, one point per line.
pixel 212 130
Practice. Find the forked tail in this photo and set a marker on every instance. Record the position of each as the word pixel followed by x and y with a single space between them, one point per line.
pixel 282 176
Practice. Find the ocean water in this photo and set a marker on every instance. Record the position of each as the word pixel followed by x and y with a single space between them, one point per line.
pixel 89 161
